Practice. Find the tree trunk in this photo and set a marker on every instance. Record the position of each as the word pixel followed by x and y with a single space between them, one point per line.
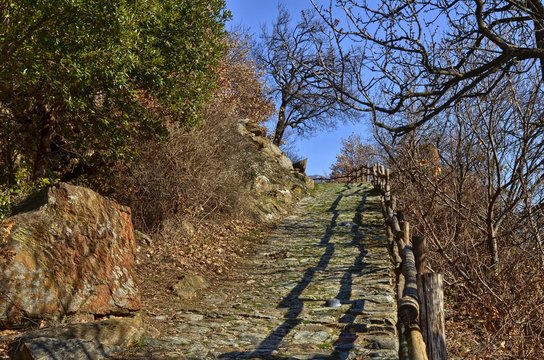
pixel 493 246
pixel 538 22
pixel 42 161
pixel 539 37
pixel 491 228
pixel 9 158
pixel 280 126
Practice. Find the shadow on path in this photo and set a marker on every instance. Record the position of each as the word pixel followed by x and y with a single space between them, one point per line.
pixel 292 302
pixel 347 337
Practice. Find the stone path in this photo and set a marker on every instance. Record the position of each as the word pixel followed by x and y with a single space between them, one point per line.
pixel 320 287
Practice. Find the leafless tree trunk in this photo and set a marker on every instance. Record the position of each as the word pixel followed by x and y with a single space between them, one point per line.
pixel 292 56
pixel 281 124
pixel 43 148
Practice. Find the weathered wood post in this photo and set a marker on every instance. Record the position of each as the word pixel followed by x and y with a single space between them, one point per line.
pixel 387 185
pixel 432 315
pixel 382 178
pixel 431 300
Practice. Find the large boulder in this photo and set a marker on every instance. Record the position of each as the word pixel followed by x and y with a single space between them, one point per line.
pixel 68 251
pixel 285 163
pixel 261 185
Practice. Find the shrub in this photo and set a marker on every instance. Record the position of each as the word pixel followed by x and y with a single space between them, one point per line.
pixel 200 173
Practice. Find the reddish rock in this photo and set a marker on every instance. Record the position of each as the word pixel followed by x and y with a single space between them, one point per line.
pixel 68 251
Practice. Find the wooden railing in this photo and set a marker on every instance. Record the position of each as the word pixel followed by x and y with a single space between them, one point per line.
pixel 421 322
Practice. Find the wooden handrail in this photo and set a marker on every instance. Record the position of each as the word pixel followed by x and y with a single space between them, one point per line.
pixel 420 294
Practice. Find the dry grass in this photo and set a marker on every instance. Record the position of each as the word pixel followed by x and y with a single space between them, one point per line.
pixel 492 313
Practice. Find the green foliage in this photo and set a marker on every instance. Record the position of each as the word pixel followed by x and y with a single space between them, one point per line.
pixel 79 79
pixel 20 189
pixel 179 43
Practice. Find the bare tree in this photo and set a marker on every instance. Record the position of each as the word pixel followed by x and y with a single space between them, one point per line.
pixel 483 212
pixel 353 157
pixel 427 55
pixel 510 142
pixel 293 56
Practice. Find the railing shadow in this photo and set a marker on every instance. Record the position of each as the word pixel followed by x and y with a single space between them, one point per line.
pixel 345 342
pixel 294 304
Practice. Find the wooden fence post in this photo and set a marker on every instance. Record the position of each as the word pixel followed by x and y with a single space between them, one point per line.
pixel 431 303
pixel 382 179
pixel 433 323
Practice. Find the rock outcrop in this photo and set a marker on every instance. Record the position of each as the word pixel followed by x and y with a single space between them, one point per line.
pixel 67 251
pixel 300 166
pixel 277 184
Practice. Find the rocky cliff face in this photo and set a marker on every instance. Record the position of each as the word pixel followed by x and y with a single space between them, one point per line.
pixel 276 184
pixel 68 251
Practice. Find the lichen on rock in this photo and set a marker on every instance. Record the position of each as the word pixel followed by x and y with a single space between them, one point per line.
pixel 67 251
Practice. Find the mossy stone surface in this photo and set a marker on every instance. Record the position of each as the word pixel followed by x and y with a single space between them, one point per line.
pixel 333 246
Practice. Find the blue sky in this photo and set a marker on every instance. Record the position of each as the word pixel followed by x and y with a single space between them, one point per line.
pixel 322 148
